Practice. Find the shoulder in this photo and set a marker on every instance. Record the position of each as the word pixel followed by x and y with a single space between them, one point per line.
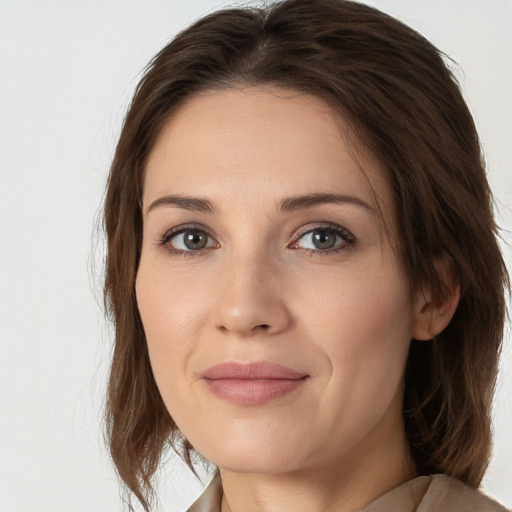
pixel 447 494
pixel 437 493
pixel 210 500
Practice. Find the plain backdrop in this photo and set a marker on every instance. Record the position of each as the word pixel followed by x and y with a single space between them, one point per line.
pixel 67 71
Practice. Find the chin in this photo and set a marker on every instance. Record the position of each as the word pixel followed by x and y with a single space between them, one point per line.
pixel 249 456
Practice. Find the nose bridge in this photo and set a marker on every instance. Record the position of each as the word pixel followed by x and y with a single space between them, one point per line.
pixel 250 293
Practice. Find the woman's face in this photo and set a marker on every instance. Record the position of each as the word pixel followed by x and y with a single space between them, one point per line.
pixel 277 316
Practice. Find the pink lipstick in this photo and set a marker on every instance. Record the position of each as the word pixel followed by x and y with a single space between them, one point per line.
pixel 252 383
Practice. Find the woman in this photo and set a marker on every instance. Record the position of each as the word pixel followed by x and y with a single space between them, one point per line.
pixel 303 268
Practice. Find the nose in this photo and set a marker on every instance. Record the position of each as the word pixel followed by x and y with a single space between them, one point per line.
pixel 251 297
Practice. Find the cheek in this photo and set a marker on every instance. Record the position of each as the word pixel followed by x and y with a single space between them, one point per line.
pixel 169 301
pixel 370 298
pixel 363 326
pixel 170 313
pixel 171 320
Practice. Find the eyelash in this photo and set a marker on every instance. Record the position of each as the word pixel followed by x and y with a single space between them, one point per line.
pixel 348 238
pixel 164 240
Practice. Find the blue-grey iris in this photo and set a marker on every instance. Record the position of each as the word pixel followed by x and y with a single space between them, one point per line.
pixel 195 240
pixel 324 239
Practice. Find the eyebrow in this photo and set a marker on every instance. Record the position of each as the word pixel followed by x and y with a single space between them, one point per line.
pixel 292 204
pixel 186 203
pixel 289 204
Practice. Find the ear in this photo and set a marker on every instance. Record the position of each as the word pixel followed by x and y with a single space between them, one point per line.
pixel 432 315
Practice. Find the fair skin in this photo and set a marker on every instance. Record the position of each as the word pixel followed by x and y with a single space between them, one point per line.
pixel 263 244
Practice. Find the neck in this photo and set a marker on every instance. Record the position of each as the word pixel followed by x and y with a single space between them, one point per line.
pixel 348 485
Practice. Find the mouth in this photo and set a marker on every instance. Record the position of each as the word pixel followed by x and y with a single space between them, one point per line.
pixel 252 383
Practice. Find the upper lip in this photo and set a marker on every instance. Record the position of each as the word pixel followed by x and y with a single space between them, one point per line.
pixel 251 371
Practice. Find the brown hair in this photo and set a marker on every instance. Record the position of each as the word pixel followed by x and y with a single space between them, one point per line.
pixel 404 106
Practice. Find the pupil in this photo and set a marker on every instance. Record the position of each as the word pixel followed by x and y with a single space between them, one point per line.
pixel 195 240
pixel 324 239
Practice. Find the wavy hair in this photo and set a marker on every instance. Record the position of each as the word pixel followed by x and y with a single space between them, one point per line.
pixel 404 106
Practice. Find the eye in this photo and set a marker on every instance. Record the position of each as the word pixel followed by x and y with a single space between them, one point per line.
pixel 187 240
pixel 191 240
pixel 324 239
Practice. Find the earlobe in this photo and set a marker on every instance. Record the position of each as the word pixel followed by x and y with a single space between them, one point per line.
pixel 433 314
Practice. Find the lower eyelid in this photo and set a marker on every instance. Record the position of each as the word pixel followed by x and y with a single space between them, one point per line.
pixel 347 239
pixel 174 232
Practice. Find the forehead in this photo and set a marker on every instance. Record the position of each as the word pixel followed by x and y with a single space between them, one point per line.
pixel 259 142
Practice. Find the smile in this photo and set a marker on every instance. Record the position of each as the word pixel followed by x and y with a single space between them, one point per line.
pixel 252 383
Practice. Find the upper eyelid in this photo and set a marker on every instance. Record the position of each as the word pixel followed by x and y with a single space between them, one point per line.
pixel 312 226
pixel 188 227
pixel 297 234
pixel 327 226
pixel 176 230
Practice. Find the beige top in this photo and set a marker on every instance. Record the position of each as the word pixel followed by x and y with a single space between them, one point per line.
pixel 437 493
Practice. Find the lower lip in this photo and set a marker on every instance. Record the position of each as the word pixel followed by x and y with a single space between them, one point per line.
pixel 253 391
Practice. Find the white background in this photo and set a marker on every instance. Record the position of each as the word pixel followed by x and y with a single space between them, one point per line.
pixel 67 71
